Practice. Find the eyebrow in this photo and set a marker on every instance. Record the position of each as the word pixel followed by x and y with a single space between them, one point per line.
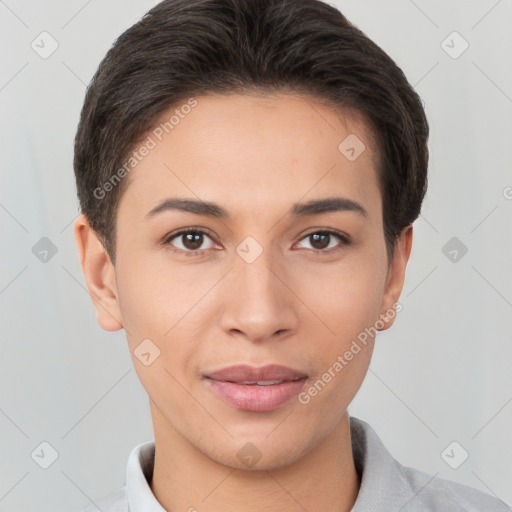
pixel 209 209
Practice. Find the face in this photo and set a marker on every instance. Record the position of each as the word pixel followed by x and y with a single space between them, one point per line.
pixel 286 266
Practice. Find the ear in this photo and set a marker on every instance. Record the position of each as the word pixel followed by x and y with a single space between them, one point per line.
pixel 99 275
pixel 395 278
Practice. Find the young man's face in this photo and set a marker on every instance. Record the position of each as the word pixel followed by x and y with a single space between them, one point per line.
pixel 252 290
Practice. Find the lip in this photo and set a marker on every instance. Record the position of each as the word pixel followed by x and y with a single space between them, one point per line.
pixel 227 383
pixel 245 372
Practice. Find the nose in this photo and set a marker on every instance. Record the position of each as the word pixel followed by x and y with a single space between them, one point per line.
pixel 260 305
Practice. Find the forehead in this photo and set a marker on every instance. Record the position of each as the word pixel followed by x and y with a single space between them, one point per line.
pixel 257 151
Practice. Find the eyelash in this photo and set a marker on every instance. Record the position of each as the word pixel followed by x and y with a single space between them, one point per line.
pixel 345 240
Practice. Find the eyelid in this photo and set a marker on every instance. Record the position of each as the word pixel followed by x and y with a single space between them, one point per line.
pixel 343 236
pixel 183 231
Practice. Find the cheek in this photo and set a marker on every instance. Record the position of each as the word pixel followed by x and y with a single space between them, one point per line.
pixel 154 298
pixel 151 306
pixel 157 304
pixel 347 306
pixel 346 298
pixel 346 301
pixel 139 303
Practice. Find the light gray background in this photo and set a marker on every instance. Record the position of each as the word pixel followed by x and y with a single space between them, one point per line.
pixel 443 373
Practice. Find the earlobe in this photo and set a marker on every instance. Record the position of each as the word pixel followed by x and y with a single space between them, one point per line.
pixel 396 278
pixel 99 274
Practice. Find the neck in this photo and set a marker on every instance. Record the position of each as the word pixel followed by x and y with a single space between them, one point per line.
pixel 185 479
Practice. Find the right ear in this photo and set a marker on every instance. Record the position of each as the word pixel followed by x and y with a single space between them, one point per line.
pixel 99 274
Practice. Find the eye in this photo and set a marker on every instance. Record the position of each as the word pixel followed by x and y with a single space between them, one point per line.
pixel 190 240
pixel 322 241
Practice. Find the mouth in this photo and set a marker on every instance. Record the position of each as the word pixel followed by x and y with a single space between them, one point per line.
pixel 260 382
pixel 256 389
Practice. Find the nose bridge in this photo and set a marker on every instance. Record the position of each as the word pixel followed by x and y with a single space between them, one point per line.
pixel 254 274
pixel 260 303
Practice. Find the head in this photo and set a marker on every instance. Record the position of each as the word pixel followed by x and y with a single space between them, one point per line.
pixel 295 152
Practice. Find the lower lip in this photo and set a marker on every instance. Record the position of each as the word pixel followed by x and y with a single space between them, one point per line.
pixel 257 398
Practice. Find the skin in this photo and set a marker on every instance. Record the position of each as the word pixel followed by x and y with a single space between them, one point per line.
pixel 255 156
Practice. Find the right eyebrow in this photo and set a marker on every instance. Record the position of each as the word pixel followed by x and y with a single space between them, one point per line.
pixel 189 205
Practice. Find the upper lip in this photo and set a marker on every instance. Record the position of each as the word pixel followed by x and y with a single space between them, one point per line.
pixel 244 372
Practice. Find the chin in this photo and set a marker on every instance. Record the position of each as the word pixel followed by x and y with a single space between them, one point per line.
pixel 258 453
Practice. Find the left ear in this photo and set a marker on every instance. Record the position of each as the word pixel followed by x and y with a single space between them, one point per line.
pixel 395 278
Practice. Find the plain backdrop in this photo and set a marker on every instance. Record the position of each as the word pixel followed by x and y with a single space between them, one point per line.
pixel 442 374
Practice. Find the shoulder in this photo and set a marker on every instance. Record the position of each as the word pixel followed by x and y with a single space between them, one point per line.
pixel 389 485
pixel 432 494
pixel 115 502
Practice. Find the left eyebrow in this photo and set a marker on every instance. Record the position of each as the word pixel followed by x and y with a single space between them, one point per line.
pixel 330 204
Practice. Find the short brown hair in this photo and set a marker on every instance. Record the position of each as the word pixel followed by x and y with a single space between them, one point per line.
pixel 186 48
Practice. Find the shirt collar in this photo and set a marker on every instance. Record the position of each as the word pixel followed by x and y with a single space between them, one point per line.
pixel 383 480
pixel 139 473
pixel 384 483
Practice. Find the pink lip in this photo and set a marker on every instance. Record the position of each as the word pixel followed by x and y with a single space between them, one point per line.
pixel 254 397
pixel 245 372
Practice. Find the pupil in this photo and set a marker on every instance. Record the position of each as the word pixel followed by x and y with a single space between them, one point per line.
pixel 193 241
pixel 323 238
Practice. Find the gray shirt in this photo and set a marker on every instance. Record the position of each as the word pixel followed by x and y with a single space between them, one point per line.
pixel 386 485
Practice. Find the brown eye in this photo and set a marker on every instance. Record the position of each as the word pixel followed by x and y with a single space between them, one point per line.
pixel 324 241
pixel 320 240
pixel 190 240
